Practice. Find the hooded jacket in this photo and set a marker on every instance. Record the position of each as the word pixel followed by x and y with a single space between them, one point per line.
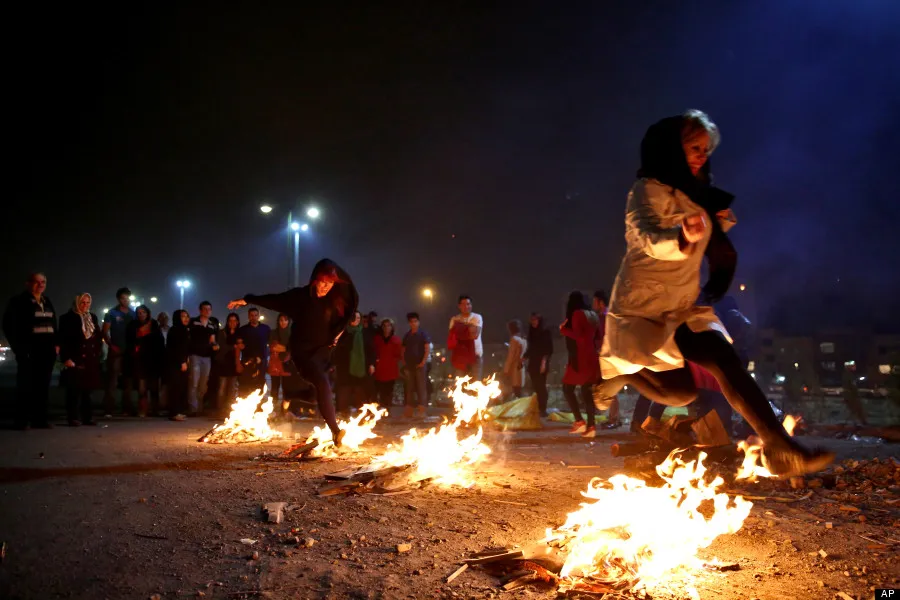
pixel 317 322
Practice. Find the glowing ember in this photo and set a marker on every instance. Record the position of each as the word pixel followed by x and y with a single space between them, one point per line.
pixel 359 429
pixel 633 534
pixel 248 422
pixel 441 454
pixel 752 467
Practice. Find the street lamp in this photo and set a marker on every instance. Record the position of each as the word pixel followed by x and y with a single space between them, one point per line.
pixel 182 284
pixel 131 297
pixel 428 293
pixel 295 226
pixel 265 209
pixel 313 212
pixel 154 299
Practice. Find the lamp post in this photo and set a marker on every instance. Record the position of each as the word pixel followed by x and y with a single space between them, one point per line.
pixel 428 294
pixel 182 284
pixel 293 239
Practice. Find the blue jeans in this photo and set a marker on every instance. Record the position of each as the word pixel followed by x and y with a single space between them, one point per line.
pixel 200 366
pixel 415 387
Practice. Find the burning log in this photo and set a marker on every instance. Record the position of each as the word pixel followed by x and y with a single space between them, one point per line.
pixel 248 422
pixel 299 449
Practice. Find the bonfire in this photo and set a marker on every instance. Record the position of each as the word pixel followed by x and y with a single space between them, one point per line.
pixel 358 430
pixel 632 534
pixel 248 422
pixel 446 454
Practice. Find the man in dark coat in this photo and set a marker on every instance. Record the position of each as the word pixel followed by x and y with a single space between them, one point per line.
pixel 30 326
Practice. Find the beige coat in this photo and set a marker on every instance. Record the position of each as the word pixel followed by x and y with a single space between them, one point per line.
pixel 513 368
pixel 657 284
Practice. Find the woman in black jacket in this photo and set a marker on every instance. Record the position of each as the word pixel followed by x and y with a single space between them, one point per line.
pixel 80 347
pixel 227 361
pixel 320 312
pixel 145 347
pixel 175 368
pixel 537 354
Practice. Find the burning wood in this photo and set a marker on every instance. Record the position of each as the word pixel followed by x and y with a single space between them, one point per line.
pixel 248 422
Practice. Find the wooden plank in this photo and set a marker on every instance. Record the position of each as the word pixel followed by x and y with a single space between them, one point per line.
pixel 457 573
pixel 495 558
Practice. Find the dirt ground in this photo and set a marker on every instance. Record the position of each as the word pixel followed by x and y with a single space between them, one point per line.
pixel 138 508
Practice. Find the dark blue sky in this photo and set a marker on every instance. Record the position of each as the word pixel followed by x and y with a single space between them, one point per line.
pixel 144 143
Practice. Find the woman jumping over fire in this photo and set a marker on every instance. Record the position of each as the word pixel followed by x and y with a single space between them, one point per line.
pixel 673 217
pixel 320 312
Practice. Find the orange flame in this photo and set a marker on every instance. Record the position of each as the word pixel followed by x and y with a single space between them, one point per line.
pixel 752 468
pixel 632 533
pixel 359 430
pixel 247 422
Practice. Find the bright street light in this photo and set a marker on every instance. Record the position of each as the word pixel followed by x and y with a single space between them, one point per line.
pixel 182 284
pixel 427 293
pixel 131 298
pixel 313 212
pixel 304 227
pixel 265 209
pixel 154 299
pixel 105 310
pixel 295 226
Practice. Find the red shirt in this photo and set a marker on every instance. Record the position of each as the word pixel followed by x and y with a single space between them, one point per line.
pixel 586 332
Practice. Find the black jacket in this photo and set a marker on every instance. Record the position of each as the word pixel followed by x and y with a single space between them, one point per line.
pixel 317 322
pixel 178 347
pixel 29 328
pixel 144 355
pixel 540 346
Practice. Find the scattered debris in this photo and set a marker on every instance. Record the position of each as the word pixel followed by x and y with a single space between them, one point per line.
pixel 823 554
pixel 457 572
pixel 151 537
pixel 247 541
pixel 402 548
pixel 273 512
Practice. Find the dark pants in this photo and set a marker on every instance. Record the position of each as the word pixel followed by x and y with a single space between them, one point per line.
pixel 385 391
pixel 178 392
pixel 148 396
pixel 711 351
pixel 539 383
pixel 644 407
pixel 277 386
pixel 33 388
pixel 415 387
pixel 587 398
pixel 351 392
pixel 78 405
pixel 314 370
pixel 708 401
pixel 113 371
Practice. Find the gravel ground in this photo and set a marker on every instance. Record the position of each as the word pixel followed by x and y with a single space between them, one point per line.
pixel 138 508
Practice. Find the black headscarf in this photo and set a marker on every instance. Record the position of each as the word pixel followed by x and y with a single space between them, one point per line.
pixel 662 158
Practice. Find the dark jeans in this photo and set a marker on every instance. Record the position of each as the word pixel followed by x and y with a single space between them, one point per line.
pixel 415 387
pixel 711 351
pixel 314 370
pixel 33 388
pixel 148 395
pixel 351 391
pixel 113 371
pixel 539 383
pixel 78 405
pixel 385 391
pixel 587 398
pixel 709 400
pixel 645 407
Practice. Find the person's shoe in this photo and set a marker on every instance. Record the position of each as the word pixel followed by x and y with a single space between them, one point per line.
pixel 339 438
pixel 421 412
pixel 578 427
pixel 178 417
pixel 590 432
pixel 108 416
pixel 74 423
pixel 792 462
pixel 611 425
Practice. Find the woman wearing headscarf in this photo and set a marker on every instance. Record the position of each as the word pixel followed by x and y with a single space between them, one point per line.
pixel 354 361
pixel 80 347
pixel 320 312
pixel 227 361
pixel 388 354
pixel 143 360
pixel 580 330
pixel 279 354
pixel 514 367
pixel 673 218
pixel 537 355
pixel 178 351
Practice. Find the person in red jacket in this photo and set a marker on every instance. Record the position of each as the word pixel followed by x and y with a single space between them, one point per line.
pixel 581 332
pixel 388 353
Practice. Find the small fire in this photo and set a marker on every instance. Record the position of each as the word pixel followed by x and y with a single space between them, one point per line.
pixel 359 429
pixel 248 422
pixel 440 454
pixel 634 534
pixel 751 468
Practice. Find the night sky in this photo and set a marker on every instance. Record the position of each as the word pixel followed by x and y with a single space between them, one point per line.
pixel 469 148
